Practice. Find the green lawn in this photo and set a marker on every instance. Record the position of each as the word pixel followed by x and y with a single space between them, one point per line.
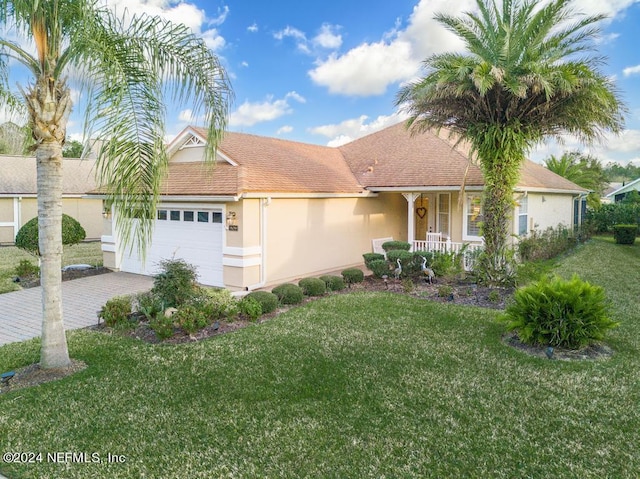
pixel 10 256
pixel 349 386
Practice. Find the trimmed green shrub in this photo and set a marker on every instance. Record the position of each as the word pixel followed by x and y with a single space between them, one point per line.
pixel 191 318
pixel 396 245
pixel 27 268
pixel 445 291
pixel 162 326
pixel 625 234
pixel 369 257
pixel 176 283
pixel 250 307
pixel 288 293
pixel 148 304
pixel 334 283
pixel 380 268
pixel 352 276
pixel 268 301
pixel 559 313
pixel 219 303
pixel 27 237
pixel 410 262
pixel 313 286
pixel 116 311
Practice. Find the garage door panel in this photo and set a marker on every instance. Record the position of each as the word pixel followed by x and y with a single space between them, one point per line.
pixel 199 244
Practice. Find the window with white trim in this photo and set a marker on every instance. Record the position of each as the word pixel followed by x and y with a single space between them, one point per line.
pixel 473 216
pixel 444 213
pixel 523 216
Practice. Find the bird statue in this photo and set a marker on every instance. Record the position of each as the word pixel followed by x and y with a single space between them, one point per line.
pixel 398 271
pixel 429 275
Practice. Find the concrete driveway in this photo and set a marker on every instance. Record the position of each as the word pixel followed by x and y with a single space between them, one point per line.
pixel 21 311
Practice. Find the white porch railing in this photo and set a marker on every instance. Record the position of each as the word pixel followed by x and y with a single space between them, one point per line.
pixel 470 249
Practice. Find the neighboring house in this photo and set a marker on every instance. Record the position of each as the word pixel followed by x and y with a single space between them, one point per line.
pixel 18 195
pixel 622 191
pixel 272 210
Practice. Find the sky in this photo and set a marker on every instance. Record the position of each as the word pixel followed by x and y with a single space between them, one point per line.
pixel 327 72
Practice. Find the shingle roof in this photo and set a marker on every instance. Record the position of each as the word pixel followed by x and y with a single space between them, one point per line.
pixel 390 158
pixel 274 165
pixel 18 176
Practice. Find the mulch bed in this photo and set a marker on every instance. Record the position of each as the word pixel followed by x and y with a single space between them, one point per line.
pixel 33 280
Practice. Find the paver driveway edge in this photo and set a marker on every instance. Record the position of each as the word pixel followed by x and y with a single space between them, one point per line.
pixel 21 311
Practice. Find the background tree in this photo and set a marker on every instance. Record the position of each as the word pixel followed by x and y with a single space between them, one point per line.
pixel 525 75
pixel 72 149
pixel 126 65
pixel 583 170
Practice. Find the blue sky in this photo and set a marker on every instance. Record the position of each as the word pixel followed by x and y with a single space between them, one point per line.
pixel 328 71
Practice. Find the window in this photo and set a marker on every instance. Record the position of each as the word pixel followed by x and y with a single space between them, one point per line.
pixel 474 215
pixel 444 208
pixel 203 216
pixel 216 217
pixel 523 217
pixel 174 215
pixel 162 214
pixel 187 215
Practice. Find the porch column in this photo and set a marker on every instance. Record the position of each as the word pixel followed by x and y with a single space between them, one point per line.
pixel 411 227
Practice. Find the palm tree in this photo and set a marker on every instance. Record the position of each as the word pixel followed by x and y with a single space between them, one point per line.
pixel 583 170
pixel 524 76
pixel 125 66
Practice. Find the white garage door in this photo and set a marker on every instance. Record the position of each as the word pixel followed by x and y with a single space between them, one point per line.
pixel 189 234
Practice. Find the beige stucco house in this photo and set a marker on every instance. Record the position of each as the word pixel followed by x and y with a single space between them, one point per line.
pixel 18 195
pixel 273 210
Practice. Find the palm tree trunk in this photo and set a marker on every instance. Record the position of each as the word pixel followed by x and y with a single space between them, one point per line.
pixel 49 104
pixel 54 353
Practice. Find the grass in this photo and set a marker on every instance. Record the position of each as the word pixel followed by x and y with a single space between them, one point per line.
pixel 349 386
pixel 10 256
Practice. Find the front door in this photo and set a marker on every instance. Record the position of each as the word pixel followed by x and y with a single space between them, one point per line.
pixel 421 217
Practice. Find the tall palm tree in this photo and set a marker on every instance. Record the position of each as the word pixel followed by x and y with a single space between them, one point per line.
pixel 584 171
pixel 126 66
pixel 525 75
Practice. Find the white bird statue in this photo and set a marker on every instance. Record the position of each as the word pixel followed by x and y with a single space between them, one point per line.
pixel 430 276
pixel 398 271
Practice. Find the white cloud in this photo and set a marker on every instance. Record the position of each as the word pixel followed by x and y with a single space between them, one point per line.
pixel 631 71
pixel 355 128
pixel 250 113
pixel 367 69
pixel 284 129
pixel 327 38
pixel 183 12
pixel 253 28
pixel 187 116
pixel 610 8
pixel 370 68
pixel 297 35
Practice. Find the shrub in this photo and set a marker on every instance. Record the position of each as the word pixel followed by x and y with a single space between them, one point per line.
pixel 116 311
pixel 493 296
pixel 446 264
pixel 162 326
pixel 352 276
pixel 379 268
pixel 625 234
pixel 26 268
pixel 609 215
pixel 191 318
pixel 288 293
pixel 369 257
pixel 547 244
pixel 268 301
pixel 176 283
pixel 250 307
pixel 334 283
pixel 148 304
pixel 559 313
pixel 396 245
pixel 313 286
pixel 27 237
pixel 218 303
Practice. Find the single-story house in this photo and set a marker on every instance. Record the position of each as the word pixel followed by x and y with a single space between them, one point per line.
pixel 18 195
pixel 272 210
pixel 622 191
